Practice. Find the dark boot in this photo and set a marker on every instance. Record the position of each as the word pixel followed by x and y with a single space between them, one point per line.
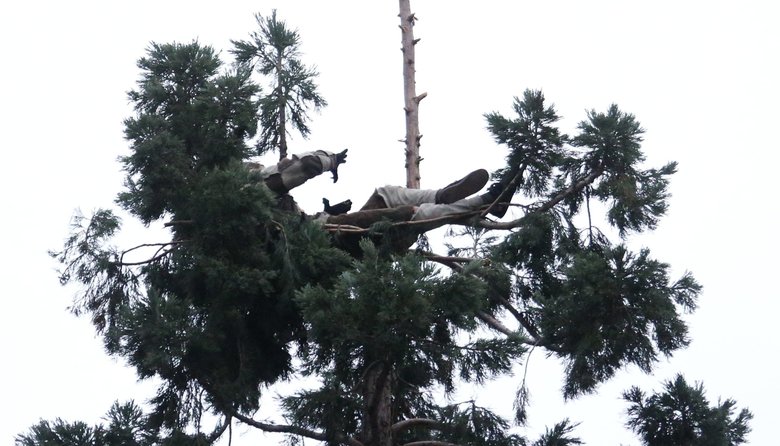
pixel 494 191
pixel 466 186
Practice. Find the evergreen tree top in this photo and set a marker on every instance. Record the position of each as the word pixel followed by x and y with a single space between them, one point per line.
pixel 246 294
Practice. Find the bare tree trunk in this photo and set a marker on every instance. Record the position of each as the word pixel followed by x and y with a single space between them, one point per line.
pixel 411 100
pixel 378 414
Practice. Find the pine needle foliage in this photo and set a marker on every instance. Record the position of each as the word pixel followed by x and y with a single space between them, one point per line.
pixel 681 415
pixel 274 52
pixel 559 435
pixel 124 426
pixel 190 117
pixel 595 304
pixel 211 312
pixel 244 294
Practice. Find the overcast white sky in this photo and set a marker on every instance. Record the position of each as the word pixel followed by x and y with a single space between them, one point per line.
pixel 701 77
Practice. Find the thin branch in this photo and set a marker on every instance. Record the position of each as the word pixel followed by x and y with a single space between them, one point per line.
pixel 520 317
pixel 527 361
pixel 509 187
pixel 161 249
pixel 508 305
pixel 286 429
pixel 574 188
pixel 158 255
pixel 484 317
pixel 147 245
pixel 143 262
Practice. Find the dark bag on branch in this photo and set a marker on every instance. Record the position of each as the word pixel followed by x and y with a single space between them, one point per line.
pixel 338 208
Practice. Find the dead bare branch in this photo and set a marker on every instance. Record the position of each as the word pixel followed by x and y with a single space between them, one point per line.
pixel 286 429
pixel 158 254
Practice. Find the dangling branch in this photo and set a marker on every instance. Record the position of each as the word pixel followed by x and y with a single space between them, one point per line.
pixel 221 428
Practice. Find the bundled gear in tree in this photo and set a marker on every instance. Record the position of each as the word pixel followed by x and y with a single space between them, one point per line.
pixel 395 203
pixel 426 208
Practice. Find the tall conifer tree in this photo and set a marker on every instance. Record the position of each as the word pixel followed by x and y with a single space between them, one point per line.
pixel 244 294
pixel 274 51
pixel 681 415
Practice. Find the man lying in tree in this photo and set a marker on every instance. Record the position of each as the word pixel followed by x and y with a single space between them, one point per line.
pixel 394 203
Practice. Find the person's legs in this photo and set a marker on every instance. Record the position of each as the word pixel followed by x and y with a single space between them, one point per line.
pixel 428 211
pixel 393 196
pixel 432 211
pixel 375 201
pixel 424 211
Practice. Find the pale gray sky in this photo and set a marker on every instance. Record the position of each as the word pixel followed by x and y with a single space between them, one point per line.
pixel 701 77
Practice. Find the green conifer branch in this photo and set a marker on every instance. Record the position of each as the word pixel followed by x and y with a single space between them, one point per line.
pixel 546 206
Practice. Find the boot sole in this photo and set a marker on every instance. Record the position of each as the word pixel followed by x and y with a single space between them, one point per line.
pixel 466 186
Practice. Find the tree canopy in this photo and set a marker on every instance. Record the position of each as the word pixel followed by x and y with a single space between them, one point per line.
pixel 274 51
pixel 246 294
pixel 682 415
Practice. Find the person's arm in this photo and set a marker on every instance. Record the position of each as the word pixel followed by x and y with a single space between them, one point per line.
pixel 291 173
